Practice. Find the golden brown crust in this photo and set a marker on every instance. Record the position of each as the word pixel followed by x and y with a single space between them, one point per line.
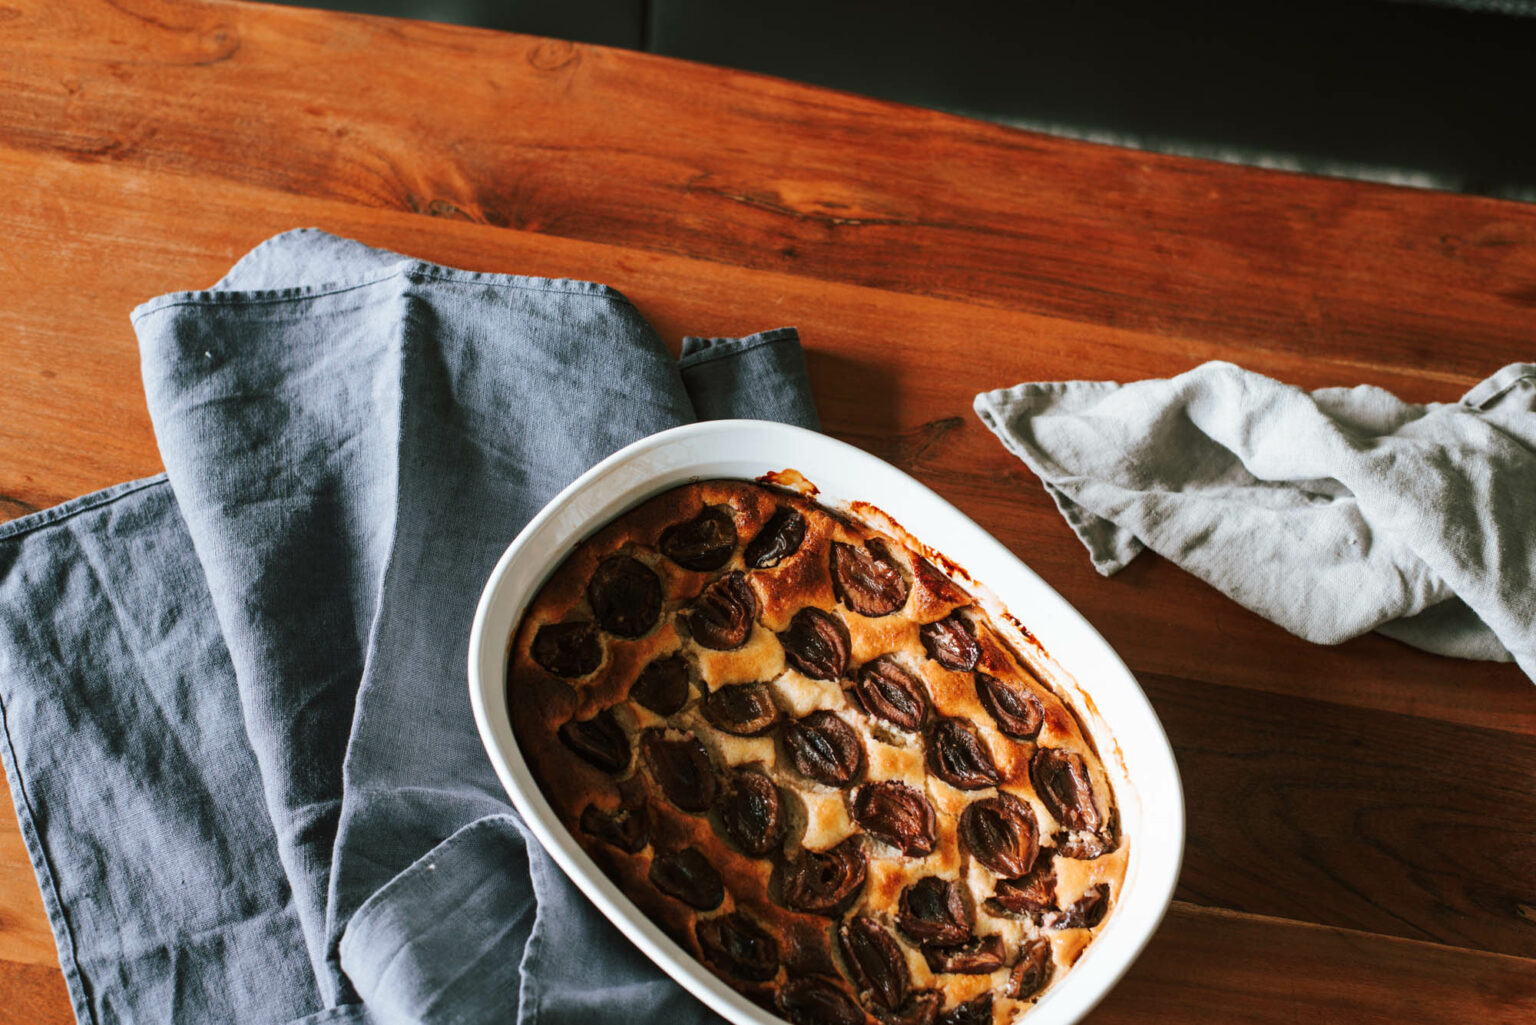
pixel 816 817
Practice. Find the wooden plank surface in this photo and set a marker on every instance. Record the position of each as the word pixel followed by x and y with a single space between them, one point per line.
pixel 1206 965
pixel 1362 830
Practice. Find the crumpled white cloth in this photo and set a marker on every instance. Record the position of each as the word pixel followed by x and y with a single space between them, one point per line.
pixel 1331 512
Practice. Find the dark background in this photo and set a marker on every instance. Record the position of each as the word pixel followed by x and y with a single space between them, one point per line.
pixel 1438 93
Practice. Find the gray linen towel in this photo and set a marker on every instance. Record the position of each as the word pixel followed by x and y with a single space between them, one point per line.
pixel 236 724
pixel 1332 513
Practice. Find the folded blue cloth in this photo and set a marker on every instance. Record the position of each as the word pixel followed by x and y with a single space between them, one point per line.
pixel 236 724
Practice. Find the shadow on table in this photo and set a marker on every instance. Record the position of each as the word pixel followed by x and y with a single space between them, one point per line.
pixel 859 402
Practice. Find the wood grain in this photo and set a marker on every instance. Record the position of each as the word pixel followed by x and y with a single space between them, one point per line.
pixel 1355 818
pixel 33 994
pixel 1217 967
pixel 1346 804
pixel 553 137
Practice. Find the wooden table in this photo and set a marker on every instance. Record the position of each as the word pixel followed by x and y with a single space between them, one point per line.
pixel 1362 819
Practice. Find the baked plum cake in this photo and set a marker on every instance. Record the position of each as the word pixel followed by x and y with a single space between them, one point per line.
pixel 813 759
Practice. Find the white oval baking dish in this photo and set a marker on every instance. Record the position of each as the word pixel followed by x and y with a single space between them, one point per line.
pixel 1127 733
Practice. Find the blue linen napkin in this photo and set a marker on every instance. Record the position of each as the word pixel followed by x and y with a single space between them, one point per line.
pixel 236 726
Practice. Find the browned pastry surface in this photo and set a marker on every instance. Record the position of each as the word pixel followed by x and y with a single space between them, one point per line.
pixel 815 761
